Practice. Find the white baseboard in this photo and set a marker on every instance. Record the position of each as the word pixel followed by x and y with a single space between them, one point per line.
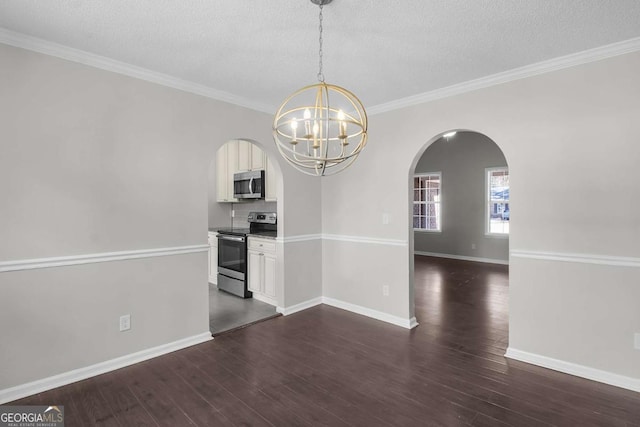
pixel 413 322
pixel 299 307
pixel 378 315
pixel 610 378
pixel 463 258
pixel 28 389
pixel 265 299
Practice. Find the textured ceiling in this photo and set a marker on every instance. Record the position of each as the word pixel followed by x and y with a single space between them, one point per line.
pixel 382 50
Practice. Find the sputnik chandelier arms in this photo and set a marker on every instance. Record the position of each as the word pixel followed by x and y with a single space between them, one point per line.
pixel 321 128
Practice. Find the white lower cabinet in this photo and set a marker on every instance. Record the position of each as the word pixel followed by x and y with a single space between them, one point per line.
pixel 213 258
pixel 269 274
pixel 262 269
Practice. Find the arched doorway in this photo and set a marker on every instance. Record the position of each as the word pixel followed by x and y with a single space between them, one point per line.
pixel 230 310
pixel 459 238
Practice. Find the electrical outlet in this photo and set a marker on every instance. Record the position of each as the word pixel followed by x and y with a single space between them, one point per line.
pixel 385 290
pixel 385 218
pixel 125 322
pixel 636 341
pixel 233 213
pixel 473 246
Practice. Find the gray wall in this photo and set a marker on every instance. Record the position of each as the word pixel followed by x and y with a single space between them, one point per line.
pixel 574 130
pixel 94 162
pixel 462 160
pixel 219 213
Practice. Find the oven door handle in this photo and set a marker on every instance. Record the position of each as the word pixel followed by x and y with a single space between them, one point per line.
pixel 235 239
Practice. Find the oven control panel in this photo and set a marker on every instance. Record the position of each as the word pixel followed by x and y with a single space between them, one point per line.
pixel 263 217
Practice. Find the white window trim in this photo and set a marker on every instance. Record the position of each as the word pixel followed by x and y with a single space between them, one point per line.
pixel 419 175
pixel 487 195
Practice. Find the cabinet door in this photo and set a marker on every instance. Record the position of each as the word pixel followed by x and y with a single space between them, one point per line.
pixel 257 158
pixel 213 260
pixel 244 155
pixel 226 166
pixel 232 167
pixel 254 270
pixel 269 275
pixel 222 176
pixel 270 182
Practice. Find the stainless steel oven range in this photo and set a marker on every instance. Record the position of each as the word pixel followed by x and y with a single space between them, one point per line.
pixel 232 261
pixel 232 252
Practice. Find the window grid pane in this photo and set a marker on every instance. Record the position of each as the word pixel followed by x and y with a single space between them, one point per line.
pixel 498 201
pixel 426 199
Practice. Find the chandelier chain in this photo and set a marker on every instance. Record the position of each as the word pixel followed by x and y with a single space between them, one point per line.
pixel 320 72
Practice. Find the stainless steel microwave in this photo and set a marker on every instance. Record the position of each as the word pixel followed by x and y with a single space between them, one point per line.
pixel 249 185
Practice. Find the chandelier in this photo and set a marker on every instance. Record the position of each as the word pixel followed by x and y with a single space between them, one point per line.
pixel 321 128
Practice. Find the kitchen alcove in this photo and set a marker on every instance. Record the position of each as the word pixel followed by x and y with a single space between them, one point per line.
pixel 229 312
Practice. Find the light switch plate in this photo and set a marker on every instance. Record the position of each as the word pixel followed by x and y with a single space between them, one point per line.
pixel 636 341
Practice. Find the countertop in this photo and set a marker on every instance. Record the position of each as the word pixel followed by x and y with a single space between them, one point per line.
pixel 265 234
pixel 262 234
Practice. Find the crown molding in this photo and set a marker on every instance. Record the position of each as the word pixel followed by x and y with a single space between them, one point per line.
pixel 579 58
pixel 35 44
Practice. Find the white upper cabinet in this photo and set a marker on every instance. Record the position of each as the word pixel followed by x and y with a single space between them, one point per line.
pixel 226 166
pixel 257 157
pixel 250 156
pixel 239 156
pixel 244 155
pixel 270 193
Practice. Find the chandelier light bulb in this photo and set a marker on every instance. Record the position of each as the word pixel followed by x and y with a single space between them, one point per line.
pixel 294 127
pixel 343 127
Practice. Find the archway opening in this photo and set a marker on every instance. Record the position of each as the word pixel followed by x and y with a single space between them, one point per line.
pixel 234 299
pixel 459 238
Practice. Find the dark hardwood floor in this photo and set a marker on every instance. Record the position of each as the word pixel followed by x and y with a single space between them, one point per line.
pixel 329 367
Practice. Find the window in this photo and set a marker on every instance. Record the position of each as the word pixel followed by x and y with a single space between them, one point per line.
pixel 426 201
pixel 498 213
